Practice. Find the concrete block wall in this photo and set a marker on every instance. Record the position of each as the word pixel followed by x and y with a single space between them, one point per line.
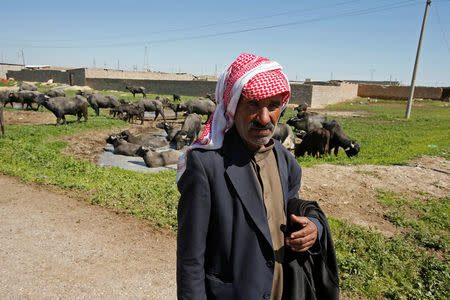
pixel 398 92
pixel 323 95
pixel 301 93
pixel 121 74
pixel 197 88
pixel 60 76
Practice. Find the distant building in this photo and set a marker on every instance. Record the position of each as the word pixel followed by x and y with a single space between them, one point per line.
pixel 4 68
pixel 392 82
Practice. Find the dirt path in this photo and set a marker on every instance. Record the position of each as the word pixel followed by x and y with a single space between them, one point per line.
pixel 52 246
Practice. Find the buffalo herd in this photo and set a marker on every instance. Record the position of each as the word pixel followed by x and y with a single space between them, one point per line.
pixel 318 136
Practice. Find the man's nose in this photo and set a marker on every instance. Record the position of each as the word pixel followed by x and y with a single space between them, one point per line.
pixel 263 116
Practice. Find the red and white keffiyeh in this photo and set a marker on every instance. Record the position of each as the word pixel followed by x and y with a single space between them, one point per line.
pixel 252 76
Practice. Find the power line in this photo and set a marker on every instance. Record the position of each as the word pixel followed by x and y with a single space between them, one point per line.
pixel 208 25
pixel 318 19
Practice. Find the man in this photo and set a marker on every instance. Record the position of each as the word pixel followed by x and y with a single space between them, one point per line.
pixel 235 183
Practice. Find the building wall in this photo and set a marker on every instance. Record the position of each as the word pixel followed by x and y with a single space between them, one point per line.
pixel 323 95
pixel 301 93
pixel 398 92
pixel 121 74
pixel 162 87
pixel 60 76
pixel 4 68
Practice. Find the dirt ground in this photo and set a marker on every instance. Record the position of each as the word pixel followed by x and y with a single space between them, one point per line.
pixel 53 245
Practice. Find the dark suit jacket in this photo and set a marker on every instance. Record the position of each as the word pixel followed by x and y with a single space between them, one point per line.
pixel 224 248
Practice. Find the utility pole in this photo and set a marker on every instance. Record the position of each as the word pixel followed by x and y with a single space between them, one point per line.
pixel 372 71
pixel 118 67
pixel 411 90
pixel 145 58
pixel 23 58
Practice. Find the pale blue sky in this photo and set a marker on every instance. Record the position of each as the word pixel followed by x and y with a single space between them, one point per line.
pixel 321 40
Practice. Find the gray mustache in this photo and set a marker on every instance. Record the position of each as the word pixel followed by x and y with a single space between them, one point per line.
pixel 254 124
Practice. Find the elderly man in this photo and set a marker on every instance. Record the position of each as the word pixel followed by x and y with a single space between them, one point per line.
pixel 235 182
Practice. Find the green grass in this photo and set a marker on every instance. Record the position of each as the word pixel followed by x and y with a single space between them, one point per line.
pixel 427 220
pixel 413 265
pixel 31 153
pixel 10 83
pixel 385 137
pixel 373 266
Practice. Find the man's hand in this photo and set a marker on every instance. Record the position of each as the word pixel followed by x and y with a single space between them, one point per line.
pixel 302 240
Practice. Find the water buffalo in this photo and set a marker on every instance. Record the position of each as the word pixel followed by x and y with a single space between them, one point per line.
pixel 301 107
pixel 152 105
pixel 97 101
pixel 27 87
pixel 2 123
pixel 153 140
pixel 25 97
pixel 176 97
pixel 285 135
pixel 134 112
pixel 62 106
pixel 188 132
pixel 56 93
pixel 136 90
pixel 339 139
pixel 198 106
pixel 170 130
pixel 121 146
pixel 122 109
pixel 86 93
pixel 211 97
pixel 315 143
pixel 155 159
pixel 173 107
pixel 4 97
pixel 306 124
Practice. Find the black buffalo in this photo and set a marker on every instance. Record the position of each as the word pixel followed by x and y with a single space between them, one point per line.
pixel 314 142
pixel 56 93
pixel 307 123
pixel 121 146
pixel 152 140
pixel 2 123
pixel 136 90
pixel 152 105
pixel 198 106
pixel 62 106
pixel 339 139
pixel 188 132
pixel 25 98
pixel 155 159
pixel 97 101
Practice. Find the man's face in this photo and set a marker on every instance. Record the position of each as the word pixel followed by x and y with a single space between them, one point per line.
pixel 255 120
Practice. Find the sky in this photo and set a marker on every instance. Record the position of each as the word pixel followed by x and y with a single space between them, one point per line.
pixel 318 40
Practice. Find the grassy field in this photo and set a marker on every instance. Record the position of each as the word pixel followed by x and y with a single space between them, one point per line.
pixel 408 266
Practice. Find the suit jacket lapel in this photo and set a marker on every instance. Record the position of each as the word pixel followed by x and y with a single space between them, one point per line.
pixel 242 176
pixel 283 172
